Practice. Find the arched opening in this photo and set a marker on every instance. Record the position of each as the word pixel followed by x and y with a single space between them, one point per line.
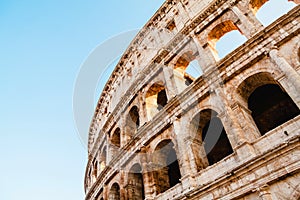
pixel 267 11
pixel 194 70
pixel 229 42
pixel 167 172
pixel 211 141
pixel 269 105
pixel 224 38
pixel 156 99
pixel 132 122
pixel 114 193
pixel 216 142
pixel 186 70
pixel 116 138
pixel 136 183
pixel 103 159
pixel 115 142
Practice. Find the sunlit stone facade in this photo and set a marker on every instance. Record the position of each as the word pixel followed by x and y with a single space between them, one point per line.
pixel 233 132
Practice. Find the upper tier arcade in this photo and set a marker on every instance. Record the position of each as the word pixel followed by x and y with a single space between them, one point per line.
pixel 154 107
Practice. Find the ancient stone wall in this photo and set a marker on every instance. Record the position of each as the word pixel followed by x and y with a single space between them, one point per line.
pixel 231 133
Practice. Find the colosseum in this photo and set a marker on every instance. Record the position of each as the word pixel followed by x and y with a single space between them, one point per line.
pixel 232 132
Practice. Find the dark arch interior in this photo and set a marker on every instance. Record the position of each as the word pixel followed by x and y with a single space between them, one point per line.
pixel 136 180
pixel 161 99
pixel 156 99
pixel 216 143
pixel 173 168
pixel 116 138
pixel 134 118
pixel 271 107
pixel 132 123
pixel 167 174
pixel 114 192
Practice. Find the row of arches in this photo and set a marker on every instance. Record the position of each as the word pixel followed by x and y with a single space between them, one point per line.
pixel 266 100
pixel 188 67
pixel 213 143
pixel 164 174
pixel 268 106
pixel 227 35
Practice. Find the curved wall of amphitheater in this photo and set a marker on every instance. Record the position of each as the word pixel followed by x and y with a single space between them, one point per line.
pixel 231 133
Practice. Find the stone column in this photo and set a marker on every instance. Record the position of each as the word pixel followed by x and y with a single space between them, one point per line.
pixel 291 81
pixel 244 23
pixel 196 153
pixel 207 60
pixel 148 183
pixel 142 109
pixel 130 191
pixel 122 183
pixel 264 193
pixel 170 83
pixel 109 152
pixel 122 194
pixel 112 151
pixel 147 172
pixel 239 128
pixel 238 125
pixel 182 156
pixel 123 130
pixel 251 16
pixel 105 192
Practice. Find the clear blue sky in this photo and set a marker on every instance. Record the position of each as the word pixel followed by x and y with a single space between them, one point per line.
pixel 42 46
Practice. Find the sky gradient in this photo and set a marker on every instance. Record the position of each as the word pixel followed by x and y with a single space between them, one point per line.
pixel 43 44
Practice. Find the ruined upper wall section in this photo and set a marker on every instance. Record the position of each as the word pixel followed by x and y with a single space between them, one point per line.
pixel 166 33
pixel 156 34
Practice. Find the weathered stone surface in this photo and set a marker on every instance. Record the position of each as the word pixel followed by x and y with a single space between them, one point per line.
pixel 231 133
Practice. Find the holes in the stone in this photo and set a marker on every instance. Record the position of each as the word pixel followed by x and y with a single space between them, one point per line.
pixel 167 172
pixel 224 38
pixel 271 107
pixel 116 137
pixel 134 118
pixel 136 181
pixel 193 71
pixel 114 193
pixel 161 99
pixel 186 70
pixel 156 99
pixel 211 143
pixel 268 11
pixel 216 143
pixel 229 42
pixel 132 123
pixel 171 25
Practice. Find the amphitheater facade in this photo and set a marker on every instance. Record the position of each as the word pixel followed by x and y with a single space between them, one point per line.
pixel 233 132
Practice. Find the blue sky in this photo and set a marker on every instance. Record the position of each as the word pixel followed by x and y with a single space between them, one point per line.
pixel 42 46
